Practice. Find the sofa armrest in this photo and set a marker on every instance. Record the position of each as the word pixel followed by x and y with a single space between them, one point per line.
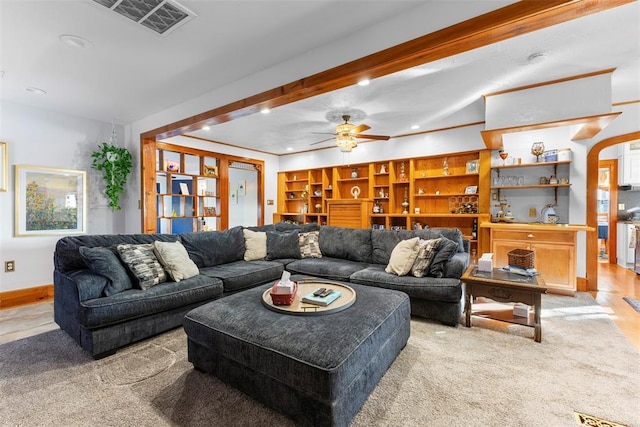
pixel 456 266
pixel 80 285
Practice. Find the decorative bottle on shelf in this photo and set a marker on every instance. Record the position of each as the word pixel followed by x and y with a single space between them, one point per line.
pixel 445 167
pixel 402 176
pixel 354 173
pixel 405 203
pixel 474 229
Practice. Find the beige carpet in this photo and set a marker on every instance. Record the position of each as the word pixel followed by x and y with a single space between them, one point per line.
pixel 488 375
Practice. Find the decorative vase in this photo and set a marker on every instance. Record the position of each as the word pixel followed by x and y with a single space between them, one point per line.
pixel 354 173
pixel 402 176
pixel 537 149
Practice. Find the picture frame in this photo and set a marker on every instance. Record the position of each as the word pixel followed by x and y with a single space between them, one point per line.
pixel 471 189
pixel 242 187
pixel 473 166
pixel 210 171
pixel 49 201
pixel 4 167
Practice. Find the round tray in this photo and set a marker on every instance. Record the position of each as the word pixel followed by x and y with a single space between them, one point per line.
pixel 306 286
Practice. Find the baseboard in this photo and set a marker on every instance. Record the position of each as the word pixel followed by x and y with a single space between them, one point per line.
pixel 26 296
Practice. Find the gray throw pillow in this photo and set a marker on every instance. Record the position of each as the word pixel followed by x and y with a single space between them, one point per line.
pixel 309 246
pixel 144 265
pixel 427 250
pixel 175 260
pixel 105 262
pixel 283 245
pixel 446 250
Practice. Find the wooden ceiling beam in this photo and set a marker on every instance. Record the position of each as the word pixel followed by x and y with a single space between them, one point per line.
pixel 510 21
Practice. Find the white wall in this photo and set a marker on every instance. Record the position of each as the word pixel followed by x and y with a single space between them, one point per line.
pixel 41 138
pixel 245 209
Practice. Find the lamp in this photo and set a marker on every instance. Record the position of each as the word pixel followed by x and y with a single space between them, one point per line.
pixel 346 135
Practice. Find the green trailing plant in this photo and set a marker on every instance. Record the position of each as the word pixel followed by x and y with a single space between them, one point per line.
pixel 115 163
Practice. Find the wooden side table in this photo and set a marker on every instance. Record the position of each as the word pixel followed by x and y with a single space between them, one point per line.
pixel 502 286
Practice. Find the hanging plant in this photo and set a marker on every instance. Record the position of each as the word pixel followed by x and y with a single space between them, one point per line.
pixel 115 163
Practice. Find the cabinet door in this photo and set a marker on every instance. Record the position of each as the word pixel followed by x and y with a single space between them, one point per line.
pixel 556 262
pixel 501 248
pixel 631 169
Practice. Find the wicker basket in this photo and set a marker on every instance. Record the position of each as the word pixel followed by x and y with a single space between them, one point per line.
pixel 283 299
pixel 521 258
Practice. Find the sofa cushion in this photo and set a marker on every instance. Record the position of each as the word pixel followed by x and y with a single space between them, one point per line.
pixel 427 250
pixel 429 288
pixel 283 244
pixel 175 260
pixel 329 268
pixel 105 262
pixel 209 248
pixel 134 303
pixel 143 264
pixel 403 256
pixel 384 241
pixel 446 249
pixel 352 244
pixel 309 246
pixel 255 243
pixel 302 228
pixel 244 274
pixel 450 233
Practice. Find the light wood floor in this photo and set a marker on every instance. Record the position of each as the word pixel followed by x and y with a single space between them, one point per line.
pixel 614 282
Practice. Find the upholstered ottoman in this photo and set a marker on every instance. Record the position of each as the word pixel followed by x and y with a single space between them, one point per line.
pixel 318 370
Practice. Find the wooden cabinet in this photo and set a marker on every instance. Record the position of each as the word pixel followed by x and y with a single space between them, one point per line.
pixel 554 250
pixel 434 191
pixel 631 168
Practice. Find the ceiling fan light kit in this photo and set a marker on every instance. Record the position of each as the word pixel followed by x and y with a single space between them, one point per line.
pixel 346 135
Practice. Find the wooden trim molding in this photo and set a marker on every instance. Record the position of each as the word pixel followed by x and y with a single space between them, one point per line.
pixel 25 296
pixel 592 203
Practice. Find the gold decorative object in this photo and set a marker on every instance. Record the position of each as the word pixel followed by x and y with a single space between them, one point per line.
pixel 537 149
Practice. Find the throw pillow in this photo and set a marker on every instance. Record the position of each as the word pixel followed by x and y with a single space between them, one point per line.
pixel 175 260
pixel 105 262
pixel 403 256
pixel 282 245
pixel 427 250
pixel 446 250
pixel 309 246
pixel 143 263
pixel 255 243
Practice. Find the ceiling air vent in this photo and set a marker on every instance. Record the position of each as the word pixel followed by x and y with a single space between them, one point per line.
pixel 160 16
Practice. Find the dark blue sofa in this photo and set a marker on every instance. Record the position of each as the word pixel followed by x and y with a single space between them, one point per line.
pixel 102 323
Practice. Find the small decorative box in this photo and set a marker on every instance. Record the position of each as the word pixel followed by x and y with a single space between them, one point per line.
pixel 283 299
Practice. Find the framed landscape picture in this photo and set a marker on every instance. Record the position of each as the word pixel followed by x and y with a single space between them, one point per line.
pixel 49 201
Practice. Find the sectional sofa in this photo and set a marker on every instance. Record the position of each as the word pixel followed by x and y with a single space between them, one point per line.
pixel 108 292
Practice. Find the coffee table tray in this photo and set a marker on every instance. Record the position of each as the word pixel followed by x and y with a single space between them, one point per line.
pixel 306 286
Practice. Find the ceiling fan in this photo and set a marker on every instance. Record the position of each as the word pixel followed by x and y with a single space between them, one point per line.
pixel 346 134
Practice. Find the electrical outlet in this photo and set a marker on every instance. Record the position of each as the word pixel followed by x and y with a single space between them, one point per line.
pixel 532 213
pixel 9 266
pixel 620 206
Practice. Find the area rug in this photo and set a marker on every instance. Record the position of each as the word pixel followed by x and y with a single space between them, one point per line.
pixel 633 302
pixel 492 374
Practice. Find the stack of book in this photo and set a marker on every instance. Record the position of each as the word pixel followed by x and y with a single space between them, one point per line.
pixel 321 296
pixel 521 271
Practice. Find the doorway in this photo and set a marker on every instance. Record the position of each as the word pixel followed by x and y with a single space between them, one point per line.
pixel 244 201
pixel 607 196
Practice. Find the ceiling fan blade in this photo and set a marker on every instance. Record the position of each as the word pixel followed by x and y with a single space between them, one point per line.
pixel 320 142
pixel 380 137
pixel 361 128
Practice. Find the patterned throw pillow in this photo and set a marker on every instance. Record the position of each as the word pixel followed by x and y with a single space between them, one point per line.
pixel 143 263
pixel 403 256
pixel 427 249
pixel 309 246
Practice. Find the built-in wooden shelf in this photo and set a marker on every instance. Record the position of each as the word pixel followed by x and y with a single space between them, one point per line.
pixel 591 126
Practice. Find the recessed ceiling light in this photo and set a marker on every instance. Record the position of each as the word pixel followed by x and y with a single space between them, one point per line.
pixel 76 41
pixel 289 148
pixel 414 127
pixel 363 82
pixel 36 90
pixel 265 110
pixel 205 127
